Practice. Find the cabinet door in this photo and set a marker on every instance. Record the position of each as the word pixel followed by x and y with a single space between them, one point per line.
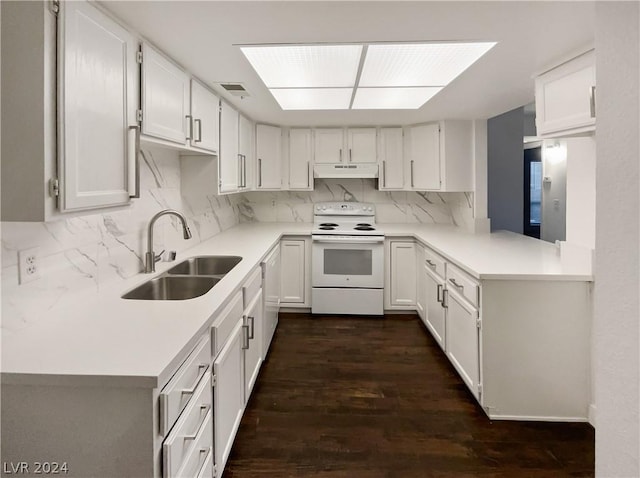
pixel 565 96
pixel 245 152
pixel 228 401
pixel 329 143
pixel 421 293
pixel 253 355
pixel 271 288
pixel 362 144
pixel 292 260
pixel 269 156
pixel 391 159
pixel 403 274
pixel 424 172
pixel 97 107
pixel 462 340
pixel 435 313
pixel 228 164
pixel 165 98
pixel 300 159
pixel 205 110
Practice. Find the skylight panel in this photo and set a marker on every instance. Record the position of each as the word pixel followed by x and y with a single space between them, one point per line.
pixel 305 66
pixel 313 98
pixel 419 64
pixel 393 98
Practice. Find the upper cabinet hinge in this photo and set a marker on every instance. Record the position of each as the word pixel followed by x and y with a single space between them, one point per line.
pixel 479 323
pixel 139 57
pixel 55 6
pixel 214 380
pixel 139 115
pixel 479 389
pixel 54 187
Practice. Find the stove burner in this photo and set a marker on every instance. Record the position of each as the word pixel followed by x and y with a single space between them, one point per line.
pixel 326 228
pixel 328 224
pixel 364 224
pixel 364 228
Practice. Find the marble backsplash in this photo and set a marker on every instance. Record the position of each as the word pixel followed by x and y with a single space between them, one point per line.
pixel 81 255
pixel 391 206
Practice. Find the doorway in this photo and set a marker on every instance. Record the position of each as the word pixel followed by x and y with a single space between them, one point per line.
pixel 532 191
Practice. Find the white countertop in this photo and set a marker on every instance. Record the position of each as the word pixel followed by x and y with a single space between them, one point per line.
pixel 109 341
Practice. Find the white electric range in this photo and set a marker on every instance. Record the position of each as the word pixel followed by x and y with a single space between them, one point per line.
pixel 347 260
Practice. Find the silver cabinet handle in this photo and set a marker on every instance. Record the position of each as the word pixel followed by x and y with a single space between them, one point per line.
pixel 384 173
pixel 592 101
pixel 198 123
pixel 340 154
pixel 245 337
pixel 459 286
pixel 189 127
pixel 430 263
pixel 134 162
pixel 191 390
pixel 252 321
pixel 205 409
pixel 308 173
pixel 445 298
pixel 350 157
pixel 412 173
pixel 259 172
pixel 244 171
pixel 438 293
pixel 240 171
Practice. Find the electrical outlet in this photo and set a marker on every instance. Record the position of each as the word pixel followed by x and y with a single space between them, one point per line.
pixel 28 265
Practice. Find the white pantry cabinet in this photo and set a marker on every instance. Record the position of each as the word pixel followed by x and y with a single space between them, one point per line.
pixel 165 88
pixel 205 113
pixel 565 98
pixel 391 159
pixel 441 157
pixel 301 159
pixel 228 164
pixel 269 157
pixel 295 283
pixel 328 145
pixel 362 145
pixel 400 280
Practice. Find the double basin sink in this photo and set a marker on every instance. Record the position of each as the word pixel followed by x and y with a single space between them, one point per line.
pixel 189 279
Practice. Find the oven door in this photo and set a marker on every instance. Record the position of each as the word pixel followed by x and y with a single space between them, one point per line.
pixel 348 261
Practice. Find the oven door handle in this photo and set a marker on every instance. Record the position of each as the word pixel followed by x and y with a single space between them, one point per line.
pixel 360 240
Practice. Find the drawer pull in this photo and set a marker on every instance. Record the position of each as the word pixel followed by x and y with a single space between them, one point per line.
pixel 438 292
pixel 205 409
pixel 459 286
pixel 245 337
pixel 252 321
pixel 445 298
pixel 430 263
pixel 206 452
pixel 191 390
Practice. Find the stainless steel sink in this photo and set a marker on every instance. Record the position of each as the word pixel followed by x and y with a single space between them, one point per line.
pixel 216 266
pixel 172 288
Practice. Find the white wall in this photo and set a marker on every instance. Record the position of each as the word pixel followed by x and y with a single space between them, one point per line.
pixel 554 191
pixel 581 191
pixel 617 281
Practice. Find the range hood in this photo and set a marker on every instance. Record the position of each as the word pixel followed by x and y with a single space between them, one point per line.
pixel 348 170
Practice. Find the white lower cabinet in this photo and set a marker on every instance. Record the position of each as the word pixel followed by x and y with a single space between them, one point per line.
pixel 271 291
pixel 253 322
pixel 295 259
pixel 400 280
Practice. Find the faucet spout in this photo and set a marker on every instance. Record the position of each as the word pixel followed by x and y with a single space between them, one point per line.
pixel 150 256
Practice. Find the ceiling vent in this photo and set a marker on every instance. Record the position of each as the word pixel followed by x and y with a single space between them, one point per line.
pixel 236 89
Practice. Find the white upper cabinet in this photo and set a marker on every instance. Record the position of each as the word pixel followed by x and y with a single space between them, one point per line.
pixel 329 145
pixel 228 164
pixel 205 113
pixel 301 159
pixel 97 133
pixel 245 153
pixel 565 98
pixel 362 145
pixel 269 156
pixel 441 157
pixel 391 159
pixel 165 98
pixel 424 165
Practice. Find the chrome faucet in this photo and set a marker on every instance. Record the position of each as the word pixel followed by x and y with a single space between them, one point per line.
pixel 150 256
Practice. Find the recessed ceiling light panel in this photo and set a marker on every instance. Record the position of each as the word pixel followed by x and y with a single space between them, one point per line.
pixel 313 98
pixel 393 98
pixel 419 64
pixel 305 66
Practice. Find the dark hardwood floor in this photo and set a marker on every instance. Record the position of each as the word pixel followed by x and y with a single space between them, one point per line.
pixel 372 398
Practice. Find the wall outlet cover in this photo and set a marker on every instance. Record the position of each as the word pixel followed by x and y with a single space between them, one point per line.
pixel 28 265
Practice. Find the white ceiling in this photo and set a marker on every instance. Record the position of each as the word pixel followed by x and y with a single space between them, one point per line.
pixel 200 35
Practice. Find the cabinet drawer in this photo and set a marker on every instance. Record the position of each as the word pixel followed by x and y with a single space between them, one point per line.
pixel 251 287
pixel 434 262
pixel 199 464
pixel 224 324
pixel 177 393
pixel 463 284
pixel 188 431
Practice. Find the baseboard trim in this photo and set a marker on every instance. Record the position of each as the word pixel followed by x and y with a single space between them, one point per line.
pixel 531 418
